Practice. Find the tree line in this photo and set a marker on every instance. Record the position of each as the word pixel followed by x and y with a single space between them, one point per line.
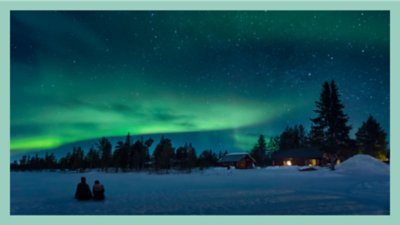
pixel 127 155
pixel 329 133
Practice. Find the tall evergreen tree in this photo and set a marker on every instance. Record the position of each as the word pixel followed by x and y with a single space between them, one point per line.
pixel 186 157
pixel 338 130
pixel 273 144
pixel 140 153
pixel 293 138
pixel 259 150
pixel 77 159
pixel 163 154
pixel 50 161
pixel 93 158
pixel 191 157
pixel 126 153
pixel 145 151
pixel 23 162
pixel 117 160
pixel 371 139
pixel 181 156
pixel 65 162
pixel 320 123
pixel 207 158
pixel 104 147
pixel 329 131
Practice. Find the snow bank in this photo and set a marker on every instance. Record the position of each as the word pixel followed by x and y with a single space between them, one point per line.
pixel 363 164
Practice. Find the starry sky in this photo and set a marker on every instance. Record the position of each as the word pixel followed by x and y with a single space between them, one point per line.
pixel 217 79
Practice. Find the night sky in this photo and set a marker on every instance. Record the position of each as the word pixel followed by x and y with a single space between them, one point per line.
pixel 217 79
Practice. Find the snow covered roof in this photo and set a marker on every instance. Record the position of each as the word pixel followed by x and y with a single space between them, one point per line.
pixel 238 153
pixel 234 157
pixel 297 153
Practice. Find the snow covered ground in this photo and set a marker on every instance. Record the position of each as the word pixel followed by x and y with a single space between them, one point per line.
pixel 350 190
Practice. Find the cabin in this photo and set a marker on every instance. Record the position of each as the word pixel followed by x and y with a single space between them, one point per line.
pixel 237 160
pixel 298 157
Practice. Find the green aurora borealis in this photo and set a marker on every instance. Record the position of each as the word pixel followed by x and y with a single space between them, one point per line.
pixel 83 75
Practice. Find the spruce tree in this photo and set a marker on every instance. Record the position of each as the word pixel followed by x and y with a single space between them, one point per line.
pixel 292 138
pixel 163 154
pixel 117 156
pixel 371 139
pixel 206 159
pixel 104 147
pixel 181 156
pixel 320 123
pixel 125 153
pixel 329 130
pixel 259 150
pixel 191 157
pixel 338 130
pixel 92 158
pixel 273 144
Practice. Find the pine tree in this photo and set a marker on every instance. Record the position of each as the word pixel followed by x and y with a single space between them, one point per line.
pixel 140 153
pixel 49 161
pixel 104 147
pixel 23 162
pixel 320 123
pixel 181 156
pixel 145 151
pixel 207 158
pixel 371 139
pixel 292 138
pixel 126 153
pixel 77 159
pixel 329 130
pixel 117 156
pixel 338 130
pixel 259 150
pixel 163 154
pixel 65 162
pixel 273 144
pixel 191 157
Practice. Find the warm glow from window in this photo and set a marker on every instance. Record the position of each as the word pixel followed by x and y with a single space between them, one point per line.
pixel 287 163
pixel 312 162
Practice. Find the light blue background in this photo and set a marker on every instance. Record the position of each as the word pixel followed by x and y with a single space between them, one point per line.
pixel 6 6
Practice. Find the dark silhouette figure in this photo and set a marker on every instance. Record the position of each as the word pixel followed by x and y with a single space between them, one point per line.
pixel 83 190
pixel 98 191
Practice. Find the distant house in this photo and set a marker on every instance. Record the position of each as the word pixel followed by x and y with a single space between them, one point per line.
pixel 238 160
pixel 299 157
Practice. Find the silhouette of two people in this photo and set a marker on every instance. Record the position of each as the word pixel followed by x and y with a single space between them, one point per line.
pixel 83 191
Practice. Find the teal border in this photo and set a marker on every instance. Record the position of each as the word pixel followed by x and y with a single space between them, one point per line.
pixel 6 6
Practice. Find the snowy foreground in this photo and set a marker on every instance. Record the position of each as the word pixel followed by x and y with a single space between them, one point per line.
pixel 358 187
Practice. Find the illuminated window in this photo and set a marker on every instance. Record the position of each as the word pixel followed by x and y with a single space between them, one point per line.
pixel 287 163
pixel 312 162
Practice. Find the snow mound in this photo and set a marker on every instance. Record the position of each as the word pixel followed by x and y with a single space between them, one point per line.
pixel 363 164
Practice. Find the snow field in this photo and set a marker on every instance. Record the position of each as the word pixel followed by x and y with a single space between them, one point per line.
pixel 215 191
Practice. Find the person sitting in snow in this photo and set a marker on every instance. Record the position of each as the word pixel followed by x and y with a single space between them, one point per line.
pixel 83 191
pixel 98 191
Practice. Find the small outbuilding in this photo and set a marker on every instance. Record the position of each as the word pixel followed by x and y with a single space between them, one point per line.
pixel 237 160
pixel 298 157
